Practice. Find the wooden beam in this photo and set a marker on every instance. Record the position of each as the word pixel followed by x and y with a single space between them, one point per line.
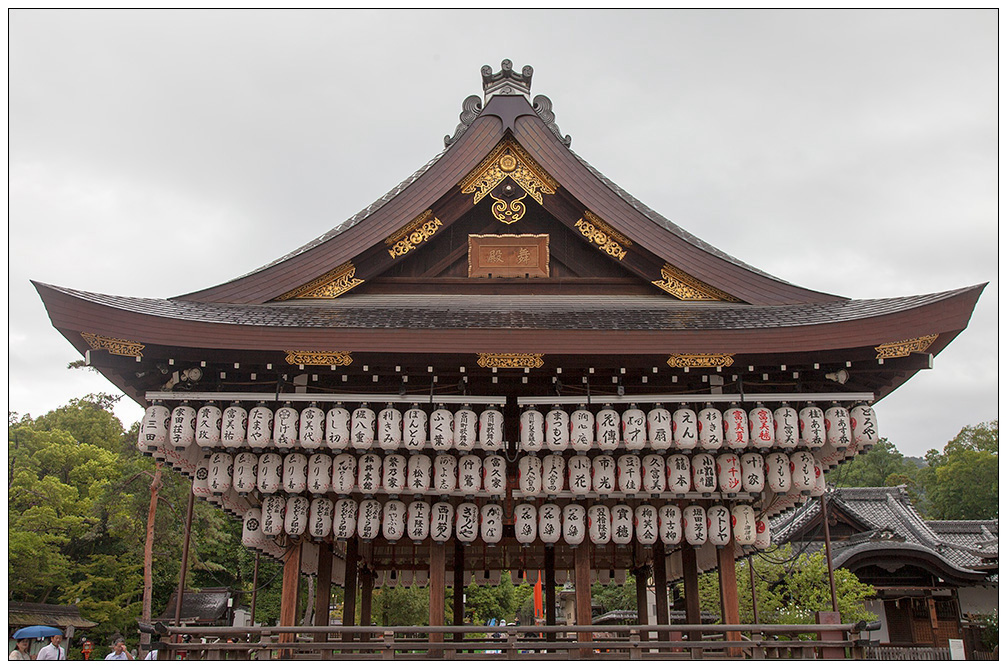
pixel 549 590
pixel 438 574
pixel 349 605
pixel 729 597
pixel 660 587
pixel 366 578
pixel 582 582
pixel 459 588
pixel 323 593
pixel 289 595
pixel 690 582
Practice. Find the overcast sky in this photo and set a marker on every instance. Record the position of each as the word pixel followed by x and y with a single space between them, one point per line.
pixel 153 153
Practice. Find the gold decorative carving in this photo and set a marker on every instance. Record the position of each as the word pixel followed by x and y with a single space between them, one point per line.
pixel 902 349
pixel 114 346
pixel 511 360
pixel 330 358
pixel 686 287
pixel 603 235
pixel 508 159
pixel 701 360
pixel 420 229
pixel 508 256
pixel 327 286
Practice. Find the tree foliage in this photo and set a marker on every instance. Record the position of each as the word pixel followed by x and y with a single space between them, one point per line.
pixel 962 482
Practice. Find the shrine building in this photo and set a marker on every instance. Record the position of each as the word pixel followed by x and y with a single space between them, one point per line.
pixel 507 364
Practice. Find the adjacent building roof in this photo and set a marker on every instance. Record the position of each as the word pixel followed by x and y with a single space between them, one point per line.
pixel 23 614
pixel 206 607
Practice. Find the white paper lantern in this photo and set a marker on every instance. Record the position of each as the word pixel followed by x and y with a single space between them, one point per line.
pixel 286 427
pixel 801 465
pixel 864 426
pixel 312 427
pixel 183 427
pixel 529 475
pixel 233 426
pixel 607 421
pixel 442 429
pixel 693 524
pixel 445 474
pixel 423 578
pixel 343 473
pixel 812 429
pixel 599 524
pixel 414 428
pixel 837 428
pixel 420 472
pixel 786 423
pixel 245 473
pixel 251 529
pixel 743 521
pixel 344 518
pixel 394 475
pixel 763 536
pixel 659 428
pixel 466 428
pixel 441 522
pixel 273 514
pixel 466 526
pixel 363 424
pixel 259 427
pixel 553 474
pixel 221 472
pixel 710 428
pixel 820 485
pixel 621 524
pixel 761 427
pixel 270 473
pixel 557 429
pixel 704 473
pixel 201 479
pixel 679 473
pixel 573 524
pixel 777 473
pixel 368 476
pixel 669 524
pixel 644 524
pixel 685 428
pixel 525 524
pixel 295 520
pixel 418 521
pixel 491 429
pixel 491 527
pixel 581 429
pixel 319 473
pixel 235 503
pixel 209 420
pixel 630 474
pixel 154 428
pixel 735 427
pixel 603 475
pixel 389 428
pixel 634 427
pixel 494 475
pixel 184 461
pixel 469 473
pixel 532 430
pixel 320 517
pixel 654 474
pixel 368 519
pixel 728 473
pixel 718 521
pixel 337 428
pixel 753 472
pixel 550 523
pixel 579 475
pixel 393 520
pixel 295 473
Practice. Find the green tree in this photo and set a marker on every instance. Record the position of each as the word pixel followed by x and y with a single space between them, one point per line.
pixel 873 469
pixel 613 597
pixel 962 482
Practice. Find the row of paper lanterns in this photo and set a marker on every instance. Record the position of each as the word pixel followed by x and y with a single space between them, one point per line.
pixel 234 427
pixel 444 474
pixel 394 520
pixel 421 578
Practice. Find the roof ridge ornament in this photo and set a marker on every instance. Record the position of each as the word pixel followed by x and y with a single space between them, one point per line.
pixel 543 107
pixel 470 109
pixel 506 81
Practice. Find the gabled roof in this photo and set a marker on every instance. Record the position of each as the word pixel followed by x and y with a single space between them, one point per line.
pixel 23 614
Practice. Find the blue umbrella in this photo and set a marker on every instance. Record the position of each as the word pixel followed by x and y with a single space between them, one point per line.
pixel 37 632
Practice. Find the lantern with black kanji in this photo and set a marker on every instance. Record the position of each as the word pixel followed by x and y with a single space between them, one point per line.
pixel 786 422
pixel 343 473
pixel 286 427
pixel 581 429
pixel 209 419
pixel 337 428
pixel 557 429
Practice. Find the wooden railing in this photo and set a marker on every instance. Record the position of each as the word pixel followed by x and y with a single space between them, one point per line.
pixel 615 642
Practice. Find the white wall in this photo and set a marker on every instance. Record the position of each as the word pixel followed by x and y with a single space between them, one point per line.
pixel 876 607
pixel 979 599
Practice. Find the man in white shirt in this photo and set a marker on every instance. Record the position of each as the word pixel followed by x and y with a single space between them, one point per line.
pixel 53 651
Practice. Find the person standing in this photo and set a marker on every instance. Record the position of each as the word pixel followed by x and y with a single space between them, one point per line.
pixel 119 651
pixel 54 651
pixel 20 651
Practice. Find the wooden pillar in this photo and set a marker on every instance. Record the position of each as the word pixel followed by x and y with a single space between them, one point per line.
pixel 459 588
pixel 690 583
pixel 289 596
pixel 323 594
pixel 549 590
pixel 366 578
pixel 830 618
pixel 729 598
pixel 660 588
pixel 438 572
pixel 349 606
pixel 581 557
